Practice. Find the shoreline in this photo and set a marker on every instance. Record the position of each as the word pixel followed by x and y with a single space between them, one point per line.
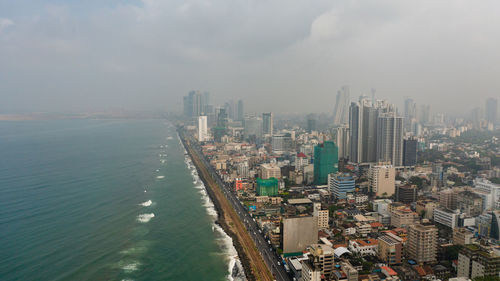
pixel 220 220
pixel 251 260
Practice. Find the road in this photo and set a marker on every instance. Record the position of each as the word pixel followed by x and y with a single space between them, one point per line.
pixel 271 258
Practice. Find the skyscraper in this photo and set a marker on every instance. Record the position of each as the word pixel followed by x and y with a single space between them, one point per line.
pixel 325 161
pixel 410 114
pixel 425 114
pixel 241 110
pixel 354 133
pixel 196 103
pixel 267 123
pixel 202 128
pixel 390 139
pixel 311 123
pixel 341 110
pixel 410 152
pixel 253 128
pixel 341 137
pixel 491 110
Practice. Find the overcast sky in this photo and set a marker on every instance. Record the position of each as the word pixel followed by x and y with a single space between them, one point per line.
pixel 277 55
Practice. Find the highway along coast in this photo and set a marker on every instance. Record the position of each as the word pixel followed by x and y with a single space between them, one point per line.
pixel 228 219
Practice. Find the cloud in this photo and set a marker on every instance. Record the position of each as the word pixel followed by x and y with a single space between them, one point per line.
pixel 292 54
pixel 5 23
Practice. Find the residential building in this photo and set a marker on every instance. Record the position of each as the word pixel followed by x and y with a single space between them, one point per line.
pixel 309 271
pixel 301 161
pixel 281 143
pixel 448 198
pixel 390 139
pixel 382 179
pixel 270 170
pixel 321 215
pixel 476 261
pixel 364 247
pixel 341 110
pixel 390 248
pixel 403 218
pixel 462 236
pixel 267 123
pixel 325 161
pixel 425 208
pixel 322 258
pixel 202 128
pixel 470 203
pixel 422 243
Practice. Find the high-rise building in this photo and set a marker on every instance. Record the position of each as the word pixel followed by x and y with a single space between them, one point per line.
pixel 390 139
pixel 340 184
pixel 311 123
pixel 281 143
pixel 267 123
pixel 325 161
pixel 241 110
pixel 425 114
pixel 252 127
pixel 410 152
pixel 364 117
pixel 422 243
pixel 268 171
pixel 341 110
pixel 322 257
pixel 491 110
pixel 341 137
pixel 382 179
pixel 298 233
pixel 491 193
pixel 354 133
pixel 267 187
pixel 220 129
pixel 321 215
pixel 410 114
pixel 202 128
pixel 195 103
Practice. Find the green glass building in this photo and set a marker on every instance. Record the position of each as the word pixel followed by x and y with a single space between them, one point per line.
pixel 326 161
pixel 267 187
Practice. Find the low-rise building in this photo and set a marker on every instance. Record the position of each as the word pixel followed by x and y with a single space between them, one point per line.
pixel 364 247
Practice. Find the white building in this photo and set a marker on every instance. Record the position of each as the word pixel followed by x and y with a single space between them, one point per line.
pixel 364 247
pixel 489 191
pixel 270 171
pixel 322 216
pixel 446 217
pixel 202 128
pixel 382 180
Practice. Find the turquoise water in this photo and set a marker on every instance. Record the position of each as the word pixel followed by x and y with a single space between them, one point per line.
pixel 73 204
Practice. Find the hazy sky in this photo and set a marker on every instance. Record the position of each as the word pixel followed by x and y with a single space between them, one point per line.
pixel 279 55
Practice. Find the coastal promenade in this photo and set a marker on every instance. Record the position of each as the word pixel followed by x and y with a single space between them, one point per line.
pixel 255 267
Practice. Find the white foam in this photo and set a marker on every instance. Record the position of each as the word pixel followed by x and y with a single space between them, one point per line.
pixel 144 218
pixel 160 177
pixel 227 242
pixel 131 267
pixel 147 203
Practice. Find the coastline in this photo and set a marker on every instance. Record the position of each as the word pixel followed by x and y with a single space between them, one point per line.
pixel 229 221
pixel 239 262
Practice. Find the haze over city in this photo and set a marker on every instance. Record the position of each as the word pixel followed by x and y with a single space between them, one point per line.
pixel 280 56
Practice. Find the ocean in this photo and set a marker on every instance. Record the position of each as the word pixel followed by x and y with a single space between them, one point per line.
pixel 105 200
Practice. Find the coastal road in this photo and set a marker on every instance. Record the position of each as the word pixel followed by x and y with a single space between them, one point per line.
pixel 271 258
